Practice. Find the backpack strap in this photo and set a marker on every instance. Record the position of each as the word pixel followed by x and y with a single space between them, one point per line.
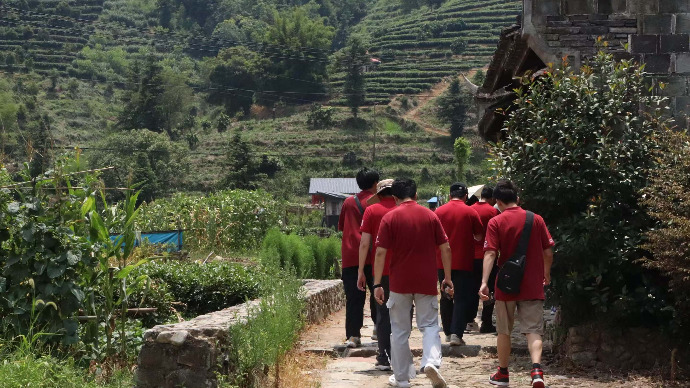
pixel 359 205
pixel 525 235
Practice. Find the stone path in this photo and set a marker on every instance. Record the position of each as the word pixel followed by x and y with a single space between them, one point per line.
pixel 355 369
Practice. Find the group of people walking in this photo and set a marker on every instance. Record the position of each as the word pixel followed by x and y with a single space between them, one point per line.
pixel 404 252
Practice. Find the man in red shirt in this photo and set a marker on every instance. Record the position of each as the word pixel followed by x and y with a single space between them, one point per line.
pixel 464 229
pixel 502 238
pixel 370 227
pixel 349 223
pixel 486 210
pixel 413 232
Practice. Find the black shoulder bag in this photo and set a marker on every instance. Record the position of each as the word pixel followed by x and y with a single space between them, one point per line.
pixel 510 275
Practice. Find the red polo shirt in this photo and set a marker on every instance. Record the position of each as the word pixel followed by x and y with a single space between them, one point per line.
pixel 486 213
pixel 413 232
pixel 349 223
pixel 461 223
pixel 370 224
pixel 503 235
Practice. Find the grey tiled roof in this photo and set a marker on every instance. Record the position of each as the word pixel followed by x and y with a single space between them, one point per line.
pixel 333 185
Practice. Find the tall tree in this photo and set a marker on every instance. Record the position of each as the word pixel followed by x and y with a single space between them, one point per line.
pixel 298 43
pixel 236 73
pixel 242 169
pixel 452 107
pixel 353 61
pixel 141 100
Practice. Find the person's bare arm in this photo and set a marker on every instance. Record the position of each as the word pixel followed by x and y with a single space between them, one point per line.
pixel 489 259
pixel 379 265
pixel 548 261
pixel 364 245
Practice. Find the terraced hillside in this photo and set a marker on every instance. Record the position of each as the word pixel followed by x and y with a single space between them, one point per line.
pixel 418 48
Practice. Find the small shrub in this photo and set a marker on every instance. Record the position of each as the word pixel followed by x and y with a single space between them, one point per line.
pixel 320 117
pixel 205 288
pixel 458 46
pixel 266 338
pixel 308 257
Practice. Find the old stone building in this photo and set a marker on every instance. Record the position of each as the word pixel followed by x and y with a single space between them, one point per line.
pixel 653 32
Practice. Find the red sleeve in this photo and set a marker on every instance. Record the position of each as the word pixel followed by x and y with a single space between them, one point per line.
pixel 367 226
pixel 477 227
pixel 384 238
pixel 439 233
pixel 491 241
pixel 546 239
pixel 341 219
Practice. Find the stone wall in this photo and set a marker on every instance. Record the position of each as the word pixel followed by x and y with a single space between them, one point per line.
pixel 190 353
pixel 637 348
pixel 656 32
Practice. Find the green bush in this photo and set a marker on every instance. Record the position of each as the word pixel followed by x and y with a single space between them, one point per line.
pixel 266 338
pixel 580 150
pixel 208 287
pixel 233 220
pixel 666 200
pixel 308 257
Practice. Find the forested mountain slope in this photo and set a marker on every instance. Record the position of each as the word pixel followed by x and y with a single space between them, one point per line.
pixel 160 88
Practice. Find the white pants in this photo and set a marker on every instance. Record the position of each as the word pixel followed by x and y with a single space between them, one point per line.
pixel 399 306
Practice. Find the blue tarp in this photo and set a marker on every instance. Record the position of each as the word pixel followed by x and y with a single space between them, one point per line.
pixel 172 240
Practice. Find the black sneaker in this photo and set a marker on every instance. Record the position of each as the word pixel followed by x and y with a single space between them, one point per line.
pixel 383 366
pixel 486 329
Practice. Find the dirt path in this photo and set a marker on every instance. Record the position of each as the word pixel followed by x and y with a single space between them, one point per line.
pixel 356 369
pixel 424 99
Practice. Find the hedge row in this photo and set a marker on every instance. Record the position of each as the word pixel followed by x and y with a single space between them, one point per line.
pixel 309 256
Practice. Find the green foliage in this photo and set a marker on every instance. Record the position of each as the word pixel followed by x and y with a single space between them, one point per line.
pixel 665 198
pixel 320 117
pixel 353 60
pixel 266 338
pixel 235 73
pixel 579 148
pixel 223 221
pixel 452 107
pixel 205 288
pixel 462 151
pixel 458 46
pixel 308 257
pixel 30 368
pixel 242 172
pixel 142 157
pixel 42 263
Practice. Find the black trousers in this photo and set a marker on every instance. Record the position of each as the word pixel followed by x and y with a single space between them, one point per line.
pixel 454 312
pixel 488 310
pixel 383 325
pixel 356 299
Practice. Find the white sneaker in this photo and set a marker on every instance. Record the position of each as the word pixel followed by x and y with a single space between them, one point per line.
pixel 456 341
pixel 353 342
pixel 395 383
pixel 448 338
pixel 437 381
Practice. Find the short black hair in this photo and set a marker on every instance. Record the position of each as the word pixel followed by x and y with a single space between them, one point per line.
pixel 367 178
pixel 404 188
pixel 487 192
pixel 458 190
pixel 506 191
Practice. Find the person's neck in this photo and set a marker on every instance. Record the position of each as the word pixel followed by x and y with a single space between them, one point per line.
pixel 510 205
pixel 371 190
pixel 457 199
pixel 482 200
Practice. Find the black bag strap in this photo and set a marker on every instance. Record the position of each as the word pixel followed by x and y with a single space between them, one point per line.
pixel 359 204
pixel 524 236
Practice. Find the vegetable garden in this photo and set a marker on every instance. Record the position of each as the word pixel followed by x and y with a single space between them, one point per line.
pixel 78 293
